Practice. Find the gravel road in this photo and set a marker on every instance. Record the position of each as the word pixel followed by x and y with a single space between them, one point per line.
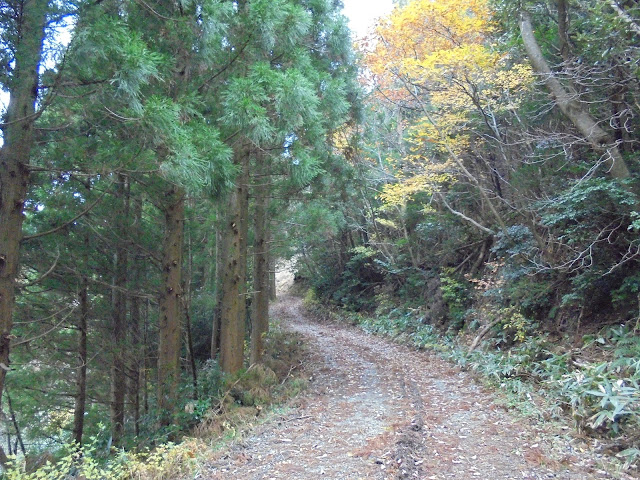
pixel 378 410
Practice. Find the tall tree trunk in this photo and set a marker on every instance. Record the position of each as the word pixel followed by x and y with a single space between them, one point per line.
pixel 119 314
pixel 260 306
pixel 14 420
pixel 221 256
pixel 146 363
pixel 136 360
pixel 563 30
pixel 170 306
pixel 272 276
pixel 244 245
pixel 571 107
pixel 15 154
pixel 192 359
pixel 187 301
pixel 233 305
pixel 81 375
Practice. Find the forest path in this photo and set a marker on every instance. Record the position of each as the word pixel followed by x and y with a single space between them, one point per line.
pixel 378 410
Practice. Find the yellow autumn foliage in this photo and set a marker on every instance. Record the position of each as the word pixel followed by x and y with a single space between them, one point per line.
pixel 434 57
pixel 423 35
pixel 399 193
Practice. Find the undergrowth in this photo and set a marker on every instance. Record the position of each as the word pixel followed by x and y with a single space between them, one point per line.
pixel 596 385
pixel 226 407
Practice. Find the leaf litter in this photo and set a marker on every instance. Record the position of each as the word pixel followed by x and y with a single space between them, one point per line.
pixel 378 410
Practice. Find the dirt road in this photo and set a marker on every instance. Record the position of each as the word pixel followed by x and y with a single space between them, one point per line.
pixel 377 410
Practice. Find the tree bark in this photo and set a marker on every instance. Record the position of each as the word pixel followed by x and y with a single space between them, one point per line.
pixel 81 375
pixel 272 278
pixel 571 107
pixel 14 420
pixel 260 306
pixel 119 313
pixel 221 256
pixel 187 301
pixel 146 361
pixel 233 305
pixel 244 238
pixel 135 362
pixel 170 306
pixel 563 29
pixel 14 162
pixel 192 358
pixel 136 359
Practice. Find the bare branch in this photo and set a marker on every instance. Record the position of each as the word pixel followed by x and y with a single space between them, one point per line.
pixel 625 16
pixel 463 216
pixel 570 106
pixel 43 276
pixel 60 227
pixel 44 334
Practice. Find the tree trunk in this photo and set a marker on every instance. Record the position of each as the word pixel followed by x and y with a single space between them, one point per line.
pixel 170 306
pixel 187 301
pixel 260 307
pixel 563 29
pixel 119 314
pixel 221 256
pixel 272 278
pixel 15 154
pixel 244 238
pixel 136 359
pixel 14 420
pixel 233 305
pixel 135 362
pixel 81 376
pixel 146 361
pixel 571 107
pixel 192 358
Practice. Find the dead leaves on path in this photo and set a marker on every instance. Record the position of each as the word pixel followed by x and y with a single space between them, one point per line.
pixel 377 410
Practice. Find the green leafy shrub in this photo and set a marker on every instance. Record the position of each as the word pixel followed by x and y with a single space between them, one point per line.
pixel 627 296
pixel 310 298
pixel 210 380
pixel 358 280
pixel 605 395
pixel 455 293
pixel 91 462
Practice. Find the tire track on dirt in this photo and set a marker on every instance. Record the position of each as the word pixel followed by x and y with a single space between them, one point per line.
pixel 378 410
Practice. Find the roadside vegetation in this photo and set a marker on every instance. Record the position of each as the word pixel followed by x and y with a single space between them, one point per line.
pixel 592 385
pixel 227 407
